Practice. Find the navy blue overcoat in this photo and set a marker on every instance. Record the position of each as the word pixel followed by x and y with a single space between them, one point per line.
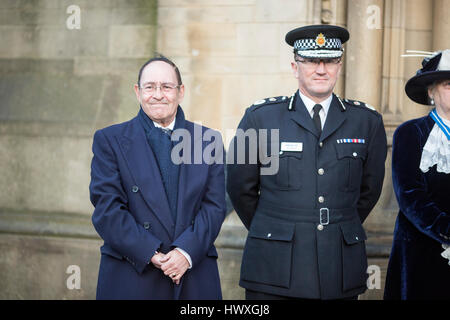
pixel 133 218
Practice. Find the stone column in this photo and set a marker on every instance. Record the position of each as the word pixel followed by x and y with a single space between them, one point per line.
pixel 364 58
pixel 418 36
pixel 441 24
pixel 393 64
pixel 364 51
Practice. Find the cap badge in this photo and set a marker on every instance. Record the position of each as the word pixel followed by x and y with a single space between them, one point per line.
pixel 321 40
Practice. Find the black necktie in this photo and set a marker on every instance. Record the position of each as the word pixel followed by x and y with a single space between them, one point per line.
pixel 316 118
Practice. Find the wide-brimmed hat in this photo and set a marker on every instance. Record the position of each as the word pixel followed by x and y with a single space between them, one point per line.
pixel 318 41
pixel 434 68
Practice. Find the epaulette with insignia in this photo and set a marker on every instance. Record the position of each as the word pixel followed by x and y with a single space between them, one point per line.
pixel 268 101
pixel 359 104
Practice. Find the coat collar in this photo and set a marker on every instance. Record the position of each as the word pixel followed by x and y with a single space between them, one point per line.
pixel 335 117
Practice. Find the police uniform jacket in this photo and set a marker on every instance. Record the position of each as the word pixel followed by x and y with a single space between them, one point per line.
pixel 305 222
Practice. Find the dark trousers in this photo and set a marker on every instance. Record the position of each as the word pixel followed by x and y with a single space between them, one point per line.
pixel 255 295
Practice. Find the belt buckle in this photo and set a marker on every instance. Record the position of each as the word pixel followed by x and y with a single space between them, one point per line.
pixel 324 212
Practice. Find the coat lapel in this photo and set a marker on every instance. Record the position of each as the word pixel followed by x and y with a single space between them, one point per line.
pixel 144 169
pixel 335 118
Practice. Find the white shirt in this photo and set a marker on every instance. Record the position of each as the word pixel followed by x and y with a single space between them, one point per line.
pixel 184 253
pixel 436 150
pixel 170 126
pixel 309 104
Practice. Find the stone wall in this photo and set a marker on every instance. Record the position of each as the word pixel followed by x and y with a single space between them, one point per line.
pixel 58 85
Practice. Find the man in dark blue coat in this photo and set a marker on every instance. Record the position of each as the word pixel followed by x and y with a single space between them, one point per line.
pixel 306 238
pixel 158 212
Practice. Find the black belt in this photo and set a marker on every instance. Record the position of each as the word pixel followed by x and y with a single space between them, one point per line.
pixel 322 216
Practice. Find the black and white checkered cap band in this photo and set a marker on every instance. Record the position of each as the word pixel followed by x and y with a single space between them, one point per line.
pixel 319 53
pixel 310 44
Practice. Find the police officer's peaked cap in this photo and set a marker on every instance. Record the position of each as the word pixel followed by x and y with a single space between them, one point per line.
pixel 318 41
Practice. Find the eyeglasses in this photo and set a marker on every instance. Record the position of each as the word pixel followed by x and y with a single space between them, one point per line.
pixel 150 88
pixel 314 62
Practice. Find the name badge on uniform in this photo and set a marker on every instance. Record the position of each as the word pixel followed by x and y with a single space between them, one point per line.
pixel 292 146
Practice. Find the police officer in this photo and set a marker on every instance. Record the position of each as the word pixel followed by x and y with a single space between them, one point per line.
pixel 306 238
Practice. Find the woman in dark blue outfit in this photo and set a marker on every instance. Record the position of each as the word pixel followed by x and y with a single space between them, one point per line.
pixel 418 265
